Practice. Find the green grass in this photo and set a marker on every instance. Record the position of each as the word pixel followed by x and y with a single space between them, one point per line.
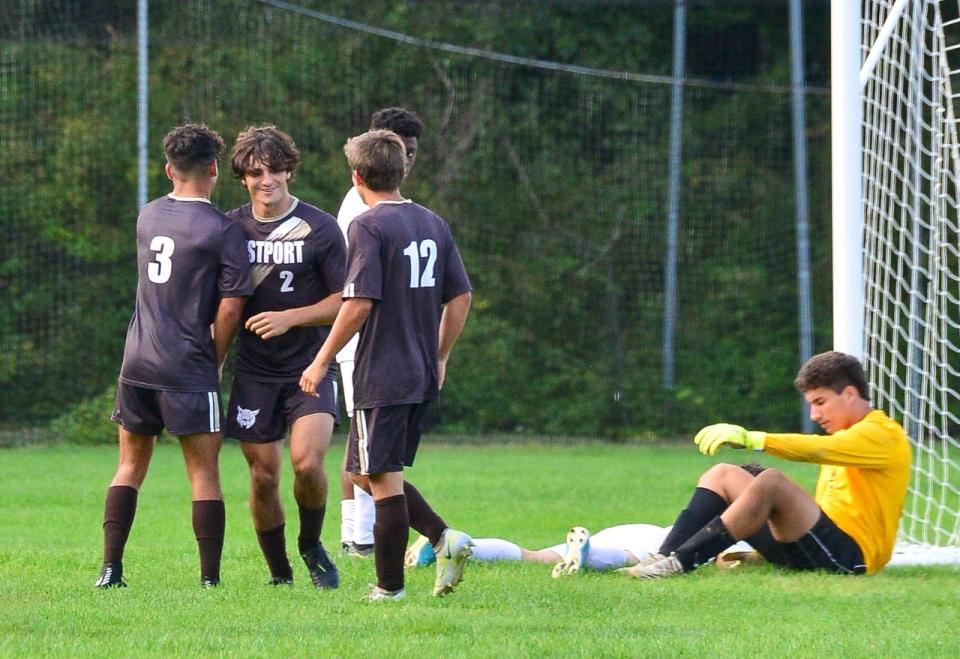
pixel 50 513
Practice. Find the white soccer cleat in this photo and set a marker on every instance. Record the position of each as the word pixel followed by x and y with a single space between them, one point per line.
pixel 574 554
pixel 378 594
pixel 419 554
pixel 657 566
pixel 451 554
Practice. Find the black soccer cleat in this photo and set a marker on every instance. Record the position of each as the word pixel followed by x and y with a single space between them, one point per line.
pixel 323 573
pixel 111 576
pixel 281 581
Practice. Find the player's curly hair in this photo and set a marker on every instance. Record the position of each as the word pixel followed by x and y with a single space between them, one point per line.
pixel 835 370
pixel 378 157
pixel 400 120
pixel 266 144
pixel 190 148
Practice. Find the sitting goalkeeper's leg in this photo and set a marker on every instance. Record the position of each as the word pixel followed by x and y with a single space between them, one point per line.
pixel 717 488
pixel 770 498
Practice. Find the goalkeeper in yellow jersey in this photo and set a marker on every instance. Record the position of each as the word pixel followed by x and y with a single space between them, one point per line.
pixel 847 527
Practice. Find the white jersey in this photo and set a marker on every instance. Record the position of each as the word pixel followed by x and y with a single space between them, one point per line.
pixel 351 206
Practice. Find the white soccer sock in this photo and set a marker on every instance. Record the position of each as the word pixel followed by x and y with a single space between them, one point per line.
pixel 606 558
pixel 495 549
pixel 365 514
pixel 346 520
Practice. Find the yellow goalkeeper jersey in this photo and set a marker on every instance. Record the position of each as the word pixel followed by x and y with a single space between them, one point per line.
pixel 863 479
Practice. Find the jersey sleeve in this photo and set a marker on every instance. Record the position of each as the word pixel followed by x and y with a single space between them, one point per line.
pixel 455 278
pixel 233 279
pixel 864 445
pixel 364 266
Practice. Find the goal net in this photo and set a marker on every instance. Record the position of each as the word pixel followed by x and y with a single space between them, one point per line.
pixel 911 172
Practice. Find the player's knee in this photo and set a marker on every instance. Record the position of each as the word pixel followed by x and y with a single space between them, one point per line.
pixel 717 475
pixel 264 479
pixel 769 480
pixel 308 467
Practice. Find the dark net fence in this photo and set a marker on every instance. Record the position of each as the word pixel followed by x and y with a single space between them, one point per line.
pixel 555 184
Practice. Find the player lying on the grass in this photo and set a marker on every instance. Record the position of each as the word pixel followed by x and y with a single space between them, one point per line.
pixel 609 549
pixel 615 547
pixel 408 294
pixel 192 272
pixel 298 258
pixel 848 527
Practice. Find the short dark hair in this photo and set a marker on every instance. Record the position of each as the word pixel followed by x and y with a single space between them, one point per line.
pixel 192 147
pixel 267 144
pixel 378 157
pixel 400 120
pixel 835 370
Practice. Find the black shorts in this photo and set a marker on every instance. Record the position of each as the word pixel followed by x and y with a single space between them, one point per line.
pixel 824 547
pixel 262 412
pixel 148 411
pixel 384 439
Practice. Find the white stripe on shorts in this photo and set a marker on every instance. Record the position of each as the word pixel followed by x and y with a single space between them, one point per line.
pixel 213 403
pixel 363 451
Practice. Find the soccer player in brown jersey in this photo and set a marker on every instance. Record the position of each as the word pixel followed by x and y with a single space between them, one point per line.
pixel 298 258
pixel 192 272
pixel 408 295
pixel 356 506
pixel 847 527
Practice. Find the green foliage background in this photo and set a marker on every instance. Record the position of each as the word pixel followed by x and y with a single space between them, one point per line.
pixel 554 184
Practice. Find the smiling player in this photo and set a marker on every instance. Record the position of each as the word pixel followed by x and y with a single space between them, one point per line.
pixel 298 258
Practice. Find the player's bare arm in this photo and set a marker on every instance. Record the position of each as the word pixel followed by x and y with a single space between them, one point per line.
pixel 225 325
pixel 269 324
pixel 452 320
pixel 353 314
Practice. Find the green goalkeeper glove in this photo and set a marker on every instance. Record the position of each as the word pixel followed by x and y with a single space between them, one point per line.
pixel 710 439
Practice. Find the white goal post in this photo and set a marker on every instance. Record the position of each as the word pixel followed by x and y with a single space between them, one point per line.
pixel 895 65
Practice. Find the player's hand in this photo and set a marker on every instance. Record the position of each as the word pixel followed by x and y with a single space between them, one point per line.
pixel 710 439
pixel 268 324
pixel 311 378
pixel 441 373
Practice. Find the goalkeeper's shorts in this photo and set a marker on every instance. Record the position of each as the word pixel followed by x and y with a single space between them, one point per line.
pixel 824 547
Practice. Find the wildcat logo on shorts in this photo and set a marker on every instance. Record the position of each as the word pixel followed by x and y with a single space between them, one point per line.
pixel 246 418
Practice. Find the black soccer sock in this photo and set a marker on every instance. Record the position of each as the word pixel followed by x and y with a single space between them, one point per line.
pixel 119 510
pixel 704 545
pixel 209 522
pixel 273 544
pixel 422 517
pixel 311 523
pixel 390 531
pixel 704 505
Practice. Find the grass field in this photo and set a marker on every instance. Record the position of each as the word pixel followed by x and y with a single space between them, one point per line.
pixel 51 503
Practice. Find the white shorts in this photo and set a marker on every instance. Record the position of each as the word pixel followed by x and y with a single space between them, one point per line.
pixel 641 540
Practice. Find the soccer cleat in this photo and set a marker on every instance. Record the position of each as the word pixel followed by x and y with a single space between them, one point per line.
pixel 111 576
pixel 574 554
pixel 323 573
pixel 657 566
pixel 209 582
pixel 358 550
pixel 420 553
pixel 378 594
pixel 451 554
pixel 281 581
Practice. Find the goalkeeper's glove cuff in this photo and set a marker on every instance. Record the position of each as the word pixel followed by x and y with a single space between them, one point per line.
pixel 756 440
